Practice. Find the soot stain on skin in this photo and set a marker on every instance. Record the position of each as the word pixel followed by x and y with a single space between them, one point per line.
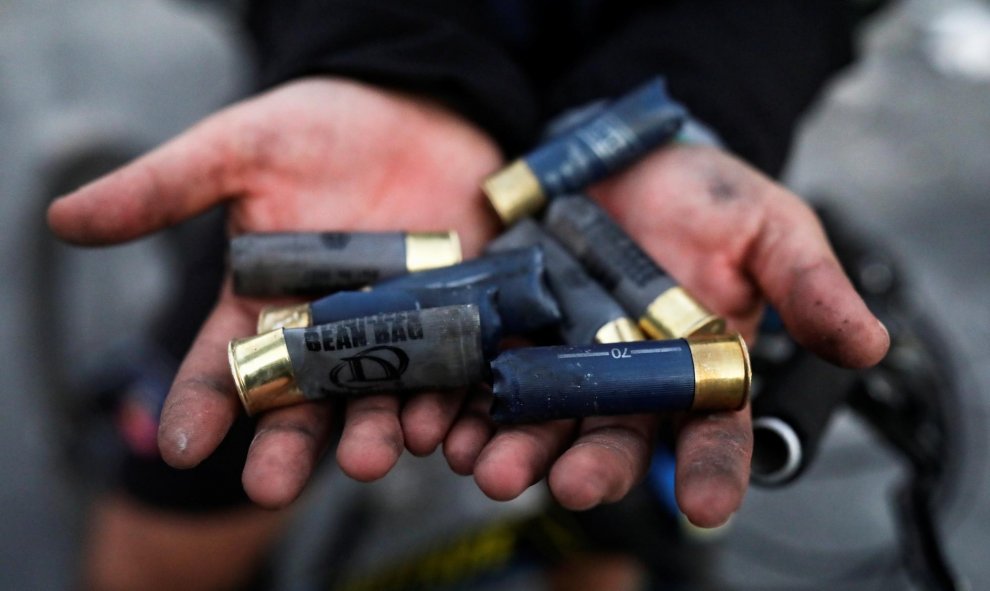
pixel 717 432
pixel 722 190
pixel 834 333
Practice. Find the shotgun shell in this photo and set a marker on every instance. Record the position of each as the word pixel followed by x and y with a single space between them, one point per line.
pixel 431 349
pixel 663 309
pixel 621 133
pixel 313 263
pixel 525 303
pixel 546 383
pixel 345 305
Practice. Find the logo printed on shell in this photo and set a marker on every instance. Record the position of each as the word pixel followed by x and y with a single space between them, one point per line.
pixel 370 368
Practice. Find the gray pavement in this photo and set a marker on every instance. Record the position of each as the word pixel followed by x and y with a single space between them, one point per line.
pixel 902 141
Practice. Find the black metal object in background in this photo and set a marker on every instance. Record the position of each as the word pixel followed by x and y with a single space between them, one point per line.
pixel 910 400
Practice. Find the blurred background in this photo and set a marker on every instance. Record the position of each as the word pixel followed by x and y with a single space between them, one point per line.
pixel 900 144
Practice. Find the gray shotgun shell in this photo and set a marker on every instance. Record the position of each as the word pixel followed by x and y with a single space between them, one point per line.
pixel 317 263
pixel 663 309
pixel 429 349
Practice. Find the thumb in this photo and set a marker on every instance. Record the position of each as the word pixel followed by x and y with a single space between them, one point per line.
pixel 176 181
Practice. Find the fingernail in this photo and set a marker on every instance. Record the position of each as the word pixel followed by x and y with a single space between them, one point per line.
pixel 258 434
pixel 702 533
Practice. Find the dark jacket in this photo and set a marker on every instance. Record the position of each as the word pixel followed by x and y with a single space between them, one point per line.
pixel 747 69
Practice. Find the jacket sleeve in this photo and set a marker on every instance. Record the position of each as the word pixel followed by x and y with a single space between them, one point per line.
pixel 746 69
pixel 439 48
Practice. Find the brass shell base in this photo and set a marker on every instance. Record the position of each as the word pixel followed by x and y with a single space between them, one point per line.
pixel 262 372
pixel 722 373
pixel 675 314
pixel 429 250
pixel 514 192
pixel 273 317
pixel 620 330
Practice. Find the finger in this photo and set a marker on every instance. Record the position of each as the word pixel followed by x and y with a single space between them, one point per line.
pixel 519 456
pixel 426 418
pixel 609 457
pixel 203 403
pixel 796 268
pixel 471 431
pixel 178 180
pixel 372 440
pixel 286 447
pixel 713 456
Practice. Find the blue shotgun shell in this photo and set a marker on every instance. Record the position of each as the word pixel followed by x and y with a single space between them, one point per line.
pixel 345 305
pixel 622 132
pixel 525 302
pixel 547 383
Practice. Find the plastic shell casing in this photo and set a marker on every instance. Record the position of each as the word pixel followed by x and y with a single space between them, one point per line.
pixel 663 309
pixel 546 383
pixel 430 349
pixel 318 263
pixel 525 302
pixel 345 305
pixel 619 134
pixel 342 305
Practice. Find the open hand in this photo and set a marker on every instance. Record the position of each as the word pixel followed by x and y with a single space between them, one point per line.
pixel 735 240
pixel 314 155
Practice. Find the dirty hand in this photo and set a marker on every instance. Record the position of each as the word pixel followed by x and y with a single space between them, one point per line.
pixel 735 240
pixel 314 155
